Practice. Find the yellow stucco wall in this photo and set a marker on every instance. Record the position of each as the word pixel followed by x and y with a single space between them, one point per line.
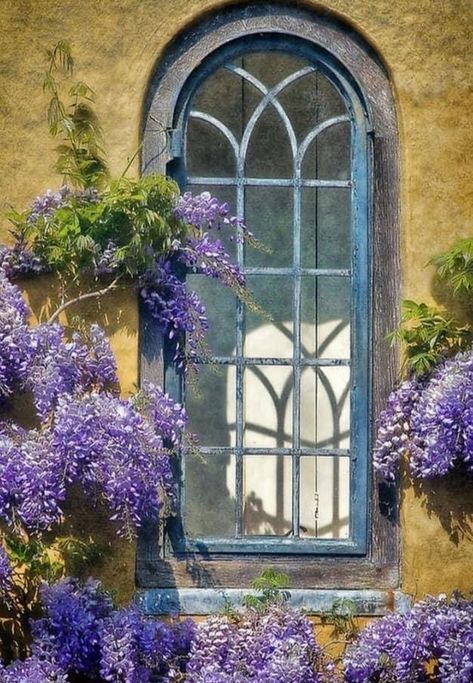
pixel 426 45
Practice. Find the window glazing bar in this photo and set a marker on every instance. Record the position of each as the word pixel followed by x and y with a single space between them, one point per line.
pixel 239 388
pixel 230 450
pixel 296 401
pixel 268 182
pixel 320 272
pixel 235 360
pixel 323 272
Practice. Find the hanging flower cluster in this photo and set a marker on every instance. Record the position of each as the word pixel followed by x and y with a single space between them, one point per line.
pixel 276 645
pixel 5 573
pixel 32 670
pixel 179 312
pixel 69 634
pixel 101 442
pixel 19 260
pixel 61 366
pixel 206 212
pixel 431 642
pixel 116 449
pixel 15 340
pixel 82 634
pixel 117 454
pixel 45 205
pixel 394 428
pixel 208 256
pixel 430 420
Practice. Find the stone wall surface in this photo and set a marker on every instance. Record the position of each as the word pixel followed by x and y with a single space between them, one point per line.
pixel 426 46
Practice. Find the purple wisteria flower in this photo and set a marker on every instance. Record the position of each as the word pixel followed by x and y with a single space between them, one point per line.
pixel 60 367
pixel 273 646
pixel 19 260
pixel 168 417
pixel 394 428
pixel 442 423
pixel 203 211
pixel 209 257
pixel 32 484
pixel 69 634
pixel 177 310
pixel 45 205
pixel 5 573
pixel 134 647
pixel 120 651
pixel 82 634
pixel 89 436
pixel 430 420
pixel 15 340
pixel 107 260
pixel 32 670
pixel 117 455
pixel 436 634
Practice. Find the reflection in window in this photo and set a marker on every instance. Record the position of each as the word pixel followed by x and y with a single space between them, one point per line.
pixel 271 134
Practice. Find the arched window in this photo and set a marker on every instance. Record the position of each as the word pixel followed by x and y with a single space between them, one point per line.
pixel 279 113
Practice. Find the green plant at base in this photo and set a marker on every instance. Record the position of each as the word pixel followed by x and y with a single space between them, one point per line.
pixel 270 585
pixel 342 618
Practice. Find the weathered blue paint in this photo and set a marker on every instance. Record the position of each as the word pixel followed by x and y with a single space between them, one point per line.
pixel 204 601
pixel 359 274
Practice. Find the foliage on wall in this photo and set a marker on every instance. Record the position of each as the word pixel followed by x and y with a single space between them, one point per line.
pixel 429 418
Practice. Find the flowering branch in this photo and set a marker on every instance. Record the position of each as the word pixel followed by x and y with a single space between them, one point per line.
pixel 83 297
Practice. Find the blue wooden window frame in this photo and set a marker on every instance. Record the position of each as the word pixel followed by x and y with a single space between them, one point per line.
pixel 360 276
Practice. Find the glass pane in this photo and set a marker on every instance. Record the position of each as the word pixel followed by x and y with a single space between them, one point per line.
pixel 270 336
pixel 209 153
pixel 326 227
pixel 328 156
pixel 269 153
pixel 269 216
pixel 271 67
pixel 325 327
pixel 310 100
pixel 325 407
pixel 334 152
pixel 211 405
pixel 268 406
pixel 267 492
pixel 325 497
pixel 210 495
pixel 220 308
pixel 224 194
pixel 221 96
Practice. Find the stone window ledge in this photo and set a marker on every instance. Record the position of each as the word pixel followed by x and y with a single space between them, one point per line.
pixel 203 601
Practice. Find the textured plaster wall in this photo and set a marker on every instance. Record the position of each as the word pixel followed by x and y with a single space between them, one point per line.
pixel 426 45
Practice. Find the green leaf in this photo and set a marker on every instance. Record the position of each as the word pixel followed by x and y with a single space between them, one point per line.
pixel 428 334
pixel 455 266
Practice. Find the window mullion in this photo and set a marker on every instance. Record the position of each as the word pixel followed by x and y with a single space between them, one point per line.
pixel 296 422
pixel 239 398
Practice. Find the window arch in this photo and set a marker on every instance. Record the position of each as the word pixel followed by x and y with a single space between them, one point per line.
pixel 343 212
